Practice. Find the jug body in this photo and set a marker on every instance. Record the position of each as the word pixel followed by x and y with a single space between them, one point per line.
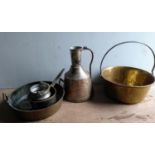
pixel 78 83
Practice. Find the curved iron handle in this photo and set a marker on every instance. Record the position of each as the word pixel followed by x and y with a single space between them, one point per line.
pixel 126 42
pixel 92 54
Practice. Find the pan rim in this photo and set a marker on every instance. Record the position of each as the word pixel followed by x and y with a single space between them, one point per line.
pixel 34 110
pixel 123 85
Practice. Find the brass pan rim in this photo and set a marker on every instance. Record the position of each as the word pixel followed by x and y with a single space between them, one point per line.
pixel 123 85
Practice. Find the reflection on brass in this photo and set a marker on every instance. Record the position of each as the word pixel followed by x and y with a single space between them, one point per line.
pixel 127 84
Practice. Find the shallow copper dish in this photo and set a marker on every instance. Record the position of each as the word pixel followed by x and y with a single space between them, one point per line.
pixel 26 111
pixel 127 84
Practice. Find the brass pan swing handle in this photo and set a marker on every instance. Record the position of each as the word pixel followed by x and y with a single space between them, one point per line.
pixel 92 58
pixel 126 42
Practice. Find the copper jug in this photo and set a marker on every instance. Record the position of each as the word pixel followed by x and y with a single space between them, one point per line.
pixel 78 83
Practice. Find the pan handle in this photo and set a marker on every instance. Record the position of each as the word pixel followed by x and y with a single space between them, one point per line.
pixel 126 42
pixel 61 81
pixel 4 97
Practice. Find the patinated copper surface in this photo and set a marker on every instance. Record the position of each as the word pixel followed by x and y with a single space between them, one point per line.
pixel 78 84
pixel 29 114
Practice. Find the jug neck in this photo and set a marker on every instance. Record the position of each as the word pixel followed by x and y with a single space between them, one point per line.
pixel 76 56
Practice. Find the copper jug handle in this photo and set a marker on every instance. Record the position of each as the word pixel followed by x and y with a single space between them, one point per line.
pixel 92 58
pixel 126 42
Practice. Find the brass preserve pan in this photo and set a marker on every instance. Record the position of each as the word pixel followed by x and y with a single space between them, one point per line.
pixel 127 84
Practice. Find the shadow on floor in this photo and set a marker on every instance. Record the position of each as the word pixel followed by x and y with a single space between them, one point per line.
pixel 99 96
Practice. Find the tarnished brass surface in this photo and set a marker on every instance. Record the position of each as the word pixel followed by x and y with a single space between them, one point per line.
pixel 127 84
pixel 78 84
pixel 127 76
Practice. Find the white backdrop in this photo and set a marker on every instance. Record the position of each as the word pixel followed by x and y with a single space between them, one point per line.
pixel 27 57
